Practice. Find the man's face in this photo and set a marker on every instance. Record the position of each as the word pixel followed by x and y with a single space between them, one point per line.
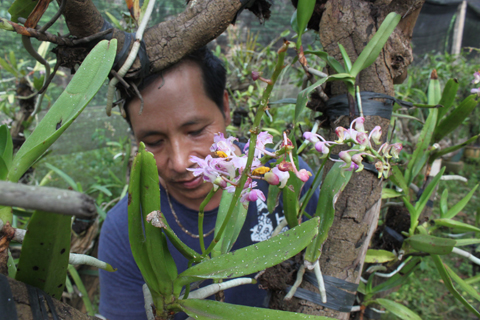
pixel 179 121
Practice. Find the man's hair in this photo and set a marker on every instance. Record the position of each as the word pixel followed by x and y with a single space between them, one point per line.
pixel 214 77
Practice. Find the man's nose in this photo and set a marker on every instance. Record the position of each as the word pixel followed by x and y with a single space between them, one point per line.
pixel 180 157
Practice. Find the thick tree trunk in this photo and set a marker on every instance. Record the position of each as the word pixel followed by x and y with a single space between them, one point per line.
pixel 352 23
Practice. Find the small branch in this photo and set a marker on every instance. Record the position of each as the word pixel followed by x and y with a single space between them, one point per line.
pixel 55 17
pixel 47 199
pixel 207 291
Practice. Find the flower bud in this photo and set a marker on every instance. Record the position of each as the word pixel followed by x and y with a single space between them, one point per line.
pixel 255 75
pixel 345 156
pixel 340 132
pixel 322 148
pixel 395 149
pixel 359 124
pixel 310 136
pixel 357 159
pixel 285 166
pixel 303 175
pixel 220 182
pixel 272 178
pixel 376 134
pixel 379 167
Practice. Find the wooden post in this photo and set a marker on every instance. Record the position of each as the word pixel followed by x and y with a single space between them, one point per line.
pixel 459 26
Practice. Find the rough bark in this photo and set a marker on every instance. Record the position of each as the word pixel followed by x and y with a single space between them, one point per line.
pixel 167 42
pixel 24 312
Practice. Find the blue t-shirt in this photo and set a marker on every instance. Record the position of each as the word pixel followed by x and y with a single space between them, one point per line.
pixel 121 295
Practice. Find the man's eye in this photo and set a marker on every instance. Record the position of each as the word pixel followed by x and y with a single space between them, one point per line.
pixel 153 143
pixel 197 132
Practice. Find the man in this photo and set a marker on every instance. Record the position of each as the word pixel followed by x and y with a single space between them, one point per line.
pixel 184 107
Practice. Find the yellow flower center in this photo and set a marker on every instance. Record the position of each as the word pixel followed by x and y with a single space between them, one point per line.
pixel 221 154
pixel 260 171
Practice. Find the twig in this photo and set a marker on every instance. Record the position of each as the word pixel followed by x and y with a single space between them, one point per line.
pixel 131 57
pixel 120 79
pixel 91 38
pixel 55 17
pixel 298 282
pixel 47 199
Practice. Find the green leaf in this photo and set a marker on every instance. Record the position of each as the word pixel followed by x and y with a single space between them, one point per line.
pixel 390 193
pixel 422 202
pixel 5 65
pixel 460 205
pixel 294 23
pixel 371 51
pixel 448 283
pixel 6 145
pixel 434 92
pixel 253 258
pixel 114 21
pixel 431 244
pixel 456 118
pixel 273 197
pixel 379 256
pixel 21 8
pixel 84 85
pixel 440 153
pixel 3 169
pixel 443 203
pixel 448 97
pixel 135 226
pixel 462 284
pixel 97 187
pixel 406 116
pixel 346 58
pixel 45 251
pixel 456 224
pixel 304 13
pixel 303 96
pixel 417 162
pixel 466 242
pixel 64 176
pixel 156 243
pixel 81 287
pixel 234 225
pixel 331 61
pixel 290 200
pixel 332 186
pixel 208 309
pixel 398 309
pixel 397 178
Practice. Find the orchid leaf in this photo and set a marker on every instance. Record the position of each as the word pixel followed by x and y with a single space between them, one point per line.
pixel 45 251
pixel 88 79
pixel 304 13
pixel 462 284
pixel 440 153
pixel 398 309
pixel 466 242
pixel 6 146
pixel 390 193
pixel 448 283
pixel 460 205
pixel 332 187
pixel 253 258
pixel 379 256
pixel 346 58
pixel 303 96
pixel 431 244
pixel 331 61
pixel 375 45
pixel 461 226
pixel 398 278
pixel 456 118
pixel 208 309
pixel 21 8
pixel 448 97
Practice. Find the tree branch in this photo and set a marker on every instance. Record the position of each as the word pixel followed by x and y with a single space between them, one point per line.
pixel 47 199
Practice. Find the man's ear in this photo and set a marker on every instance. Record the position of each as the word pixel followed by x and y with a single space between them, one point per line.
pixel 226 108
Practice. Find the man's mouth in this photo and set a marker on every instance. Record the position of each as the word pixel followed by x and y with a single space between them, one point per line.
pixel 191 183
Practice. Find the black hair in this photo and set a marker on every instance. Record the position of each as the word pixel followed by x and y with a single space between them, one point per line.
pixel 214 78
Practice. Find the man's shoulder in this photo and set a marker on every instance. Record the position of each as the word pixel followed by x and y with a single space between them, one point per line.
pixel 117 217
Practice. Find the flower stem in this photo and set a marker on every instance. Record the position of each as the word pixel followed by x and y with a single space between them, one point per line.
pixel 253 142
pixel 310 191
pixel 201 215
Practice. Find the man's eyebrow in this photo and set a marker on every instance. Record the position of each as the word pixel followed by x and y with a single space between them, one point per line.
pixel 193 121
